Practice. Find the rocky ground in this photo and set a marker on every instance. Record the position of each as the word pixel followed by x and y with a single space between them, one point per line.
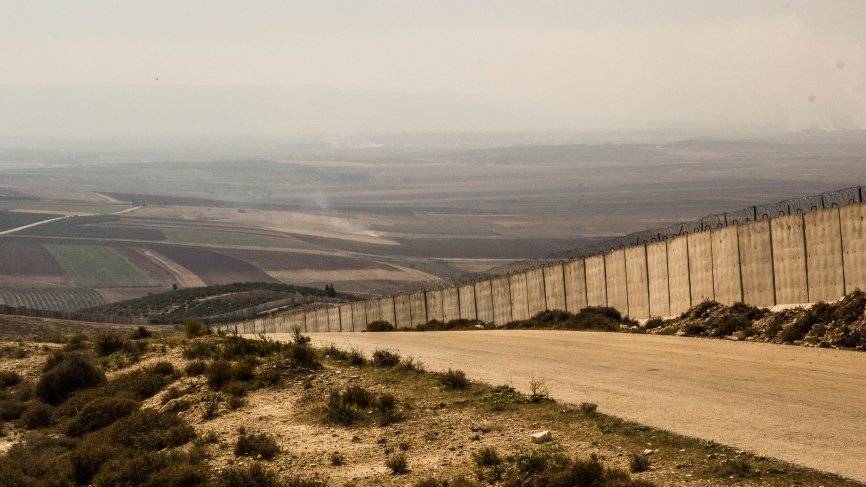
pixel 841 324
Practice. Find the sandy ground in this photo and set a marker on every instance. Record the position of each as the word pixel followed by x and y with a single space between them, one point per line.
pixel 803 405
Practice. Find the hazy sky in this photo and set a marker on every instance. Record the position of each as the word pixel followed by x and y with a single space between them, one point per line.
pixel 89 67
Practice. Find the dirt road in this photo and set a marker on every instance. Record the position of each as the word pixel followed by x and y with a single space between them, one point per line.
pixel 803 405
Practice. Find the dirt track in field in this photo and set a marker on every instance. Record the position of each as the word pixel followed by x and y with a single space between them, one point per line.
pixel 803 405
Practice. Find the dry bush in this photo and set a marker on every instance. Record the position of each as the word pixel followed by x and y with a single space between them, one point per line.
pixel 256 445
pixel 454 379
pixel 73 372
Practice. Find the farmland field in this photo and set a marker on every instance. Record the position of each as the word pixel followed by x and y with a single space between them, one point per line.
pixel 210 266
pixel 58 299
pixel 99 227
pixel 11 219
pixel 234 239
pixel 96 266
pixel 28 264
pixel 63 207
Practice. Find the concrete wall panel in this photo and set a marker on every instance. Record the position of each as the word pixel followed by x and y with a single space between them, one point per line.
pixel 638 281
pixel 310 321
pixel 359 316
pixel 617 285
pixel 371 307
pixel 727 287
pixel 484 301
pixel 386 310
pixel 824 254
pixel 657 277
pixel 322 319
pixel 467 302
pixel 554 287
pixel 501 290
pixel 756 263
pixel 596 283
pixel 789 259
pixel 296 321
pixel 334 318
pixel 575 285
pixel 535 294
pixel 403 311
pixel 700 254
pixel 418 305
pixel 346 317
pixel 853 220
pixel 434 305
pixel 679 276
pixel 519 302
pixel 450 304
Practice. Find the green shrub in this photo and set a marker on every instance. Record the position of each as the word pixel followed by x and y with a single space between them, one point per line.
pixel 337 459
pixel 236 389
pixel 9 378
pixel 141 333
pixel 398 464
pixel 72 373
pixel 180 475
pixel 588 408
pixel 195 367
pixel 338 411
pixel 244 371
pixel 454 379
pixel 386 408
pixel 11 409
pixel 199 349
pixel 219 373
pixel 357 358
pixel 148 429
pixel 99 413
pixel 88 458
pixel 384 358
pixel 107 344
pixel 38 415
pixel 256 445
pixel 654 323
pixel 193 328
pixel 358 396
pixel 162 368
pixel 139 384
pixel 379 326
pixel 639 462
pixel 254 475
pixel 546 467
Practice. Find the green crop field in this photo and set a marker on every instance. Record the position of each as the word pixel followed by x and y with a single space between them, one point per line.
pixel 239 239
pixel 64 207
pixel 96 266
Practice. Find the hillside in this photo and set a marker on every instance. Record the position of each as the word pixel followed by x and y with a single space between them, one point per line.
pixel 212 302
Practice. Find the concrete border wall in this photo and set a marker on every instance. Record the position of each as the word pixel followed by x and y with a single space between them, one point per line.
pixel 700 254
pixel 372 312
pixel 554 287
pixel 402 311
pixel 617 282
pixel 638 281
pixel 418 308
pixel 386 310
pixel 501 291
pixel 596 278
pixel 789 259
pixel 450 304
pixel 853 221
pixel 824 254
pixel 519 298
pixel 657 279
pixel 756 263
pixel 466 293
pixel 575 285
pixel 536 302
pixel 484 301
pixel 727 285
